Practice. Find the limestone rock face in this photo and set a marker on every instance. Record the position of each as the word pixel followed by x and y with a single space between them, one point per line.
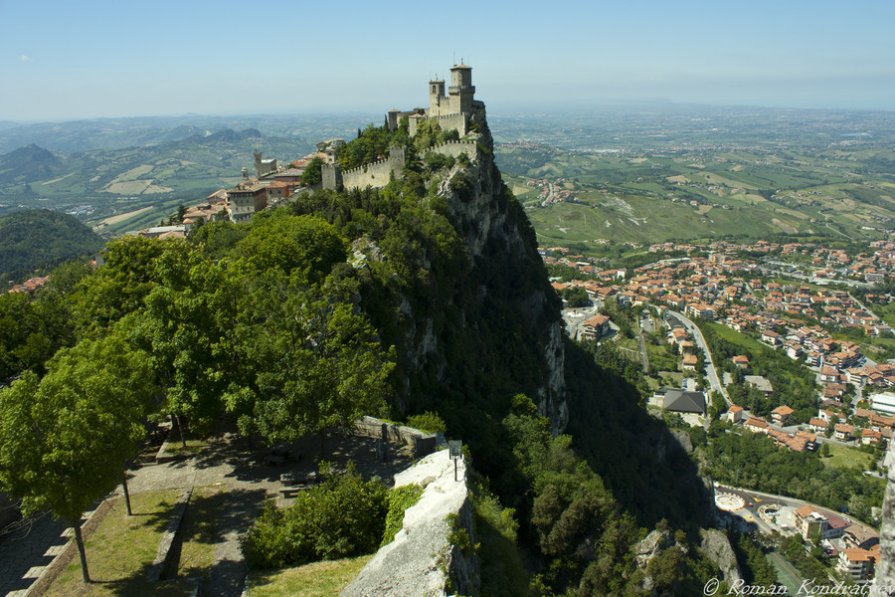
pixel 502 286
pixel 717 548
pixel 421 560
pixel 496 231
pixel 885 570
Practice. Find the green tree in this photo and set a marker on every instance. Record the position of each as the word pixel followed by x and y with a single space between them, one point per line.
pixel 29 334
pixel 576 296
pixel 64 439
pixel 321 365
pixel 342 517
pixel 313 173
pixel 184 328
pixel 289 242
pixel 119 286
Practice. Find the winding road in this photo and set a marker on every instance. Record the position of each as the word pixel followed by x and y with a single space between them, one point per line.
pixel 710 371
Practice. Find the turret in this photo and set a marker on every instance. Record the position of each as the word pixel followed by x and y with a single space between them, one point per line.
pixel 437 99
pixel 462 88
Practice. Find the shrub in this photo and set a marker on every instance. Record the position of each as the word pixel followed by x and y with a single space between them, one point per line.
pixel 436 161
pixel 399 499
pixel 342 517
pixel 463 185
pixel 428 422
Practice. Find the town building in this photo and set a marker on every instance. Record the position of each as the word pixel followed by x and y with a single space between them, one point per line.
pixel 244 200
pixel 883 403
pixel 690 405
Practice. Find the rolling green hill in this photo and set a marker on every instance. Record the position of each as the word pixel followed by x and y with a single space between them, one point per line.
pixel 104 183
pixel 656 196
pixel 38 239
pixel 27 164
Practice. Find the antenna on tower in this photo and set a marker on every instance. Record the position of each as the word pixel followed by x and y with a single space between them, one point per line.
pixel 455 57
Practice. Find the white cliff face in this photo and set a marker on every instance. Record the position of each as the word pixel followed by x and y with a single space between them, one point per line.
pixel 421 561
pixel 885 569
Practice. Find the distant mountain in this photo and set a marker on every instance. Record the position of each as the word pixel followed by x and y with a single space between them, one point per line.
pixel 27 164
pixel 39 239
pixel 64 138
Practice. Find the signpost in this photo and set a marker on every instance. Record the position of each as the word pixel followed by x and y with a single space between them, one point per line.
pixel 455 447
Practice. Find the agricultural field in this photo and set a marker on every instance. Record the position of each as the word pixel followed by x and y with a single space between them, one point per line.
pixel 91 172
pixel 828 179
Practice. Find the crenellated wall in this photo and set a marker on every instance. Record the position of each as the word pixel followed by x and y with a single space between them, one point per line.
pixel 375 174
pixel 456 149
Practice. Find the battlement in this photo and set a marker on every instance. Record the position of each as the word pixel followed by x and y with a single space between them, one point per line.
pixel 460 96
pixel 395 158
pixel 467 147
pixel 448 122
pixel 373 174
pixel 452 113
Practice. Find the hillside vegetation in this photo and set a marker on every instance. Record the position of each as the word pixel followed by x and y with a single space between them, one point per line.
pixel 383 302
pixel 39 239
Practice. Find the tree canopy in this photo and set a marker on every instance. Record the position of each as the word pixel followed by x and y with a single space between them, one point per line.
pixel 64 439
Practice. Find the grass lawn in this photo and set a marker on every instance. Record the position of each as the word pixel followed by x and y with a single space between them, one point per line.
pixel 200 532
pixel 740 339
pixel 320 579
pixel 846 457
pixel 193 447
pixel 121 550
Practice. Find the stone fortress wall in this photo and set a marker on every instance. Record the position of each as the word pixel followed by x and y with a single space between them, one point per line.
pixel 452 113
pixel 448 122
pixel 467 147
pixel 375 174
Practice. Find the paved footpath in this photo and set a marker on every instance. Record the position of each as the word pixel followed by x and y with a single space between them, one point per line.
pixel 226 464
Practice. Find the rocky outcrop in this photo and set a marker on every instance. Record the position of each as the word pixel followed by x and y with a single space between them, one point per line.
pixel 478 319
pixel 716 546
pixel 885 570
pixel 422 561
pixel 499 237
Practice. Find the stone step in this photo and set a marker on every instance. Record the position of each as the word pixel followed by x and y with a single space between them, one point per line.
pixel 34 572
pixel 54 550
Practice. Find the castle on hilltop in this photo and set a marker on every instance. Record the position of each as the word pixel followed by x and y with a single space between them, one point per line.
pixel 453 112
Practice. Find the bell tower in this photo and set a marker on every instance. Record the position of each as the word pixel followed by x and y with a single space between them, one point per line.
pixel 437 99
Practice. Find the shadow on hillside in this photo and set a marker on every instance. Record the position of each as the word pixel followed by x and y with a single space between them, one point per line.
pixel 636 455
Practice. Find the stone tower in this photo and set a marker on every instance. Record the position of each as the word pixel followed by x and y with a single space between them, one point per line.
pixel 438 102
pixel 461 90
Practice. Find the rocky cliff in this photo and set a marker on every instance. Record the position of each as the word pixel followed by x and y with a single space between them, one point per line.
pixel 421 560
pixel 499 237
pixel 473 317
pixel 885 571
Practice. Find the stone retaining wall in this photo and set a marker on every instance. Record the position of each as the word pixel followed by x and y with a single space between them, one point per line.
pixel 40 586
pixel 167 556
pixel 421 443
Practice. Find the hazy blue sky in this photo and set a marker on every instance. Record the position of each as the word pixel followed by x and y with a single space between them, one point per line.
pixel 90 58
